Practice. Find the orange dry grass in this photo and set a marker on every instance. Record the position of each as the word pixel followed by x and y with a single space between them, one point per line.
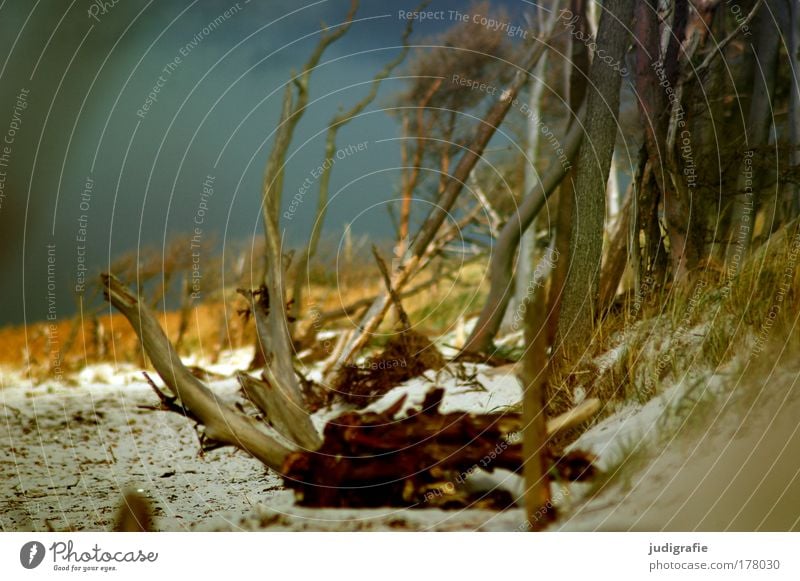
pixel 77 342
pixel 213 326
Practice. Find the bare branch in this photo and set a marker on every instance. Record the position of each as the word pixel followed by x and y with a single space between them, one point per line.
pixel 410 262
pixel 387 279
pixel 721 45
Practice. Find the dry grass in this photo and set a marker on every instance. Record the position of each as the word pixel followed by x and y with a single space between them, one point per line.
pixel 688 329
pixel 217 325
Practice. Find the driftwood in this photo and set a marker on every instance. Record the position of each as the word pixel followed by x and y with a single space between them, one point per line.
pixel 279 395
pixel 374 459
pixel 293 108
pixel 535 374
pixel 366 459
pixel 222 422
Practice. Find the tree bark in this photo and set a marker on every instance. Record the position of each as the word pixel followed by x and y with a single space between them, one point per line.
pixel 579 73
pixel 337 122
pixel 292 110
pixel 579 306
pixel 765 62
pixel 792 203
pixel 616 257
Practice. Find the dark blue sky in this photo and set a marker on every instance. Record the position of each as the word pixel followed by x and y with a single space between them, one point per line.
pixel 87 81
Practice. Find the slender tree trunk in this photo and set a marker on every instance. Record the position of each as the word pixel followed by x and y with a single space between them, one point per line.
pixel 534 434
pixel 527 247
pixel 579 306
pixel 792 204
pixel 612 191
pixel 765 49
pixel 577 81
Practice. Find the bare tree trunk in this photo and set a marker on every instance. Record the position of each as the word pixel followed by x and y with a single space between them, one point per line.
pixel 579 72
pixel 765 62
pixel 411 173
pixel 617 255
pixel 792 204
pixel 578 75
pixel 581 293
pixel 338 121
pixel 527 246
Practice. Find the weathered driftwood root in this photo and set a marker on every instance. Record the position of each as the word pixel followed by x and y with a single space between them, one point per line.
pixel 279 395
pixel 291 421
pixel 374 459
pixel 221 421
pixel 366 459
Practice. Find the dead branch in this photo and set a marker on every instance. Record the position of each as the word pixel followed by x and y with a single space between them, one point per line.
pixel 411 179
pixel 387 279
pixel 574 417
pixel 339 121
pixel 617 255
pixel 287 419
pixel 135 514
